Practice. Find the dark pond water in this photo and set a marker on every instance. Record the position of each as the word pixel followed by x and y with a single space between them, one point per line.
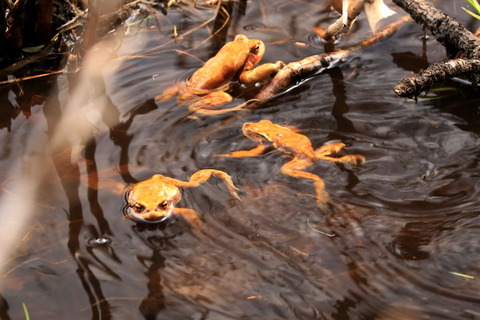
pixel 406 222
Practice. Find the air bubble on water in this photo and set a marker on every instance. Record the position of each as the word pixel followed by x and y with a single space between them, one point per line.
pixel 99 241
pixel 254 26
pixel 425 36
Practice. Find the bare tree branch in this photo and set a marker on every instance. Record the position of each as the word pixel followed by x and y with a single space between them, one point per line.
pixel 453 36
pixel 413 85
pixel 446 30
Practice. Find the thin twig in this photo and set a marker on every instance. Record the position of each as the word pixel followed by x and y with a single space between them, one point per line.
pixel 17 80
pixel 330 235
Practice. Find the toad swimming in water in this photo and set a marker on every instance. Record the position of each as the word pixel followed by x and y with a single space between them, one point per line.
pixel 298 147
pixel 153 200
pixel 235 61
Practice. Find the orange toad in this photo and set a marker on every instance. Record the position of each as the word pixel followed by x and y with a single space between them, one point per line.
pixel 153 200
pixel 298 147
pixel 205 90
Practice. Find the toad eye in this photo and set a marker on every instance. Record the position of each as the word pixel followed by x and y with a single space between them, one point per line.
pixel 163 205
pixel 138 208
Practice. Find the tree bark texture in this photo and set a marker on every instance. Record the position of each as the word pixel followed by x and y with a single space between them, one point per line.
pixel 445 29
pixel 455 37
pixel 412 85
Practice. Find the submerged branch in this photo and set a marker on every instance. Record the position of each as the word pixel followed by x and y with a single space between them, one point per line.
pixel 298 71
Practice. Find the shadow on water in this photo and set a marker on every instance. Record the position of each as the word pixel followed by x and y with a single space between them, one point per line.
pixel 399 240
pixel 69 174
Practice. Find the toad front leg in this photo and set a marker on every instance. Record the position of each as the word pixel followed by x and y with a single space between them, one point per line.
pixel 260 73
pixel 197 179
pixel 202 176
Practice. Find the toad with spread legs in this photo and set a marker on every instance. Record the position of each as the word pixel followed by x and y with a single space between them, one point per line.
pixel 299 147
pixel 205 91
pixel 153 200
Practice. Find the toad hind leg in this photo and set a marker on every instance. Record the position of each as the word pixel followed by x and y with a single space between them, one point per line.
pixel 324 153
pixel 209 104
pixel 202 176
pixel 295 168
pixel 168 93
pixel 258 150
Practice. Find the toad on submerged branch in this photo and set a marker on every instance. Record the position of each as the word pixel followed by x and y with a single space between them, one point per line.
pixel 205 91
pixel 153 200
pixel 298 147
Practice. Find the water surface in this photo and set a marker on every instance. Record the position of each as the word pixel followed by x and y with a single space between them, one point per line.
pixel 406 223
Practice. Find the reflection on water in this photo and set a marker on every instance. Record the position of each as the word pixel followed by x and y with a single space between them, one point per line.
pixel 405 223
